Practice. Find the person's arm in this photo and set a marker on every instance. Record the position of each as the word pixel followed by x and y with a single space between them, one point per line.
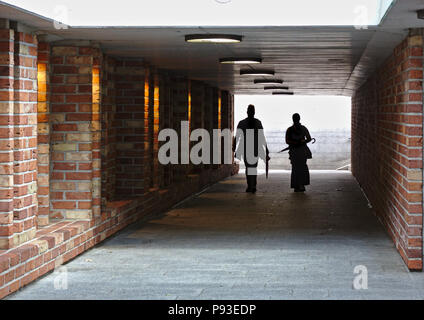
pixel 307 135
pixel 262 136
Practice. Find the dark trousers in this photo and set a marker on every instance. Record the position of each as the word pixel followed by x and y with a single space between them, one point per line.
pixel 252 178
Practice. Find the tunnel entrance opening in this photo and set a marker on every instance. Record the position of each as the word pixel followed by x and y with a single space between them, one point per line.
pixel 328 119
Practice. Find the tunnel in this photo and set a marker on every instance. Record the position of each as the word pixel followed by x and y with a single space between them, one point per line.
pixel 82 109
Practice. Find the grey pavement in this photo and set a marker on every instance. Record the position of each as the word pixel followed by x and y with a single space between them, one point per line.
pixel 226 244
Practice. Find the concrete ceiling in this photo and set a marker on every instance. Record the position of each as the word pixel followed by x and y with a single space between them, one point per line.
pixel 314 60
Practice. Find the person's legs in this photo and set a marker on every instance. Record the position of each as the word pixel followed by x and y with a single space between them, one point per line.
pixel 299 176
pixel 294 183
pixel 249 188
pixel 251 177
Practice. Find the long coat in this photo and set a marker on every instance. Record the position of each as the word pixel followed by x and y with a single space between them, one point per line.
pixel 250 141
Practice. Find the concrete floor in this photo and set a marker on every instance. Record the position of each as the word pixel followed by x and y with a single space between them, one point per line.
pixel 226 244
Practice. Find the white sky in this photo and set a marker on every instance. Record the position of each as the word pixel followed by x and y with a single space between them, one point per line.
pixel 317 112
pixel 209 12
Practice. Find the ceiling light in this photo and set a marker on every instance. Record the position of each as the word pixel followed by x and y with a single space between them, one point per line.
pixel 268 81
pixel 257 72
pixel 240 60
pixel 213 38
pixel 276 88
pixel 284 92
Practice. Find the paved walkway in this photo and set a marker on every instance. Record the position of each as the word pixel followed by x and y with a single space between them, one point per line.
pixel 226 244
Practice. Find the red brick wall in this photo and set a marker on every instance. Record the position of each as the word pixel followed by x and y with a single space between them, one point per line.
pixel 90 134
pixel 387 117
pixel 165 121
pixel 7 49
pixel 18 137
pixel 43 127
pixel 25 137
pixel 75 176
pixel 131 120
pixel 109 132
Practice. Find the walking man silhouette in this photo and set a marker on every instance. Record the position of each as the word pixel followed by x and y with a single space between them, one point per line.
pixel 250 144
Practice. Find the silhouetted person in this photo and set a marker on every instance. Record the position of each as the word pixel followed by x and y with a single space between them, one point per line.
pixel 297 137
pixel 250 144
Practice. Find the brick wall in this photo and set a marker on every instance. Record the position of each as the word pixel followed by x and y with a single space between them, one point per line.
pixel 78 149
pixel 180 107
pixel 387 145
pixel 6 135
pixel 75 175
pixel 43 127
pixel 109 131
pixel 18 137
pixel 132 103
pixel 25 137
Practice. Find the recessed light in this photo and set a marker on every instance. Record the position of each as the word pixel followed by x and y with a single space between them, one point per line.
pixel 251 72
pixel 268 81
pixel 213 38
pixel 276 88
pixel 284 92
pixel 240 60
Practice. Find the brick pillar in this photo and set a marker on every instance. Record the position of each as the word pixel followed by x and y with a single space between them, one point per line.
pixel 208 119
pixel 225 110
pixel 156 115
pixel 6 137
pixel 165 120
pixel 75 178
pixel 108 130
pixel 43 109
pixel 180 94
pixel 147 158
pixel 96 131
pixel 25 137
pixel 216 113
pixel 197 114
pixel 131 122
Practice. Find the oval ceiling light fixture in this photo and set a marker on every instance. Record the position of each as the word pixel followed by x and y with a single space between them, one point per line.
pixel 276 88
pixel 268 81
pixel 213 38
pixel 240 60
pixel 283 92
pixel 251 72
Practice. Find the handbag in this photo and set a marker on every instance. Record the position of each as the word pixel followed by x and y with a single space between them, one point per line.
pixel 308 153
